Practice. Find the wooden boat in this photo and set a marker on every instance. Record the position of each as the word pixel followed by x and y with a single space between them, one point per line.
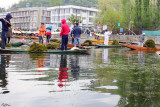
pixel 141 48
pixel 17 44
pixel 81 51
pixel 95 41
pixel 109 46
pixel 34 37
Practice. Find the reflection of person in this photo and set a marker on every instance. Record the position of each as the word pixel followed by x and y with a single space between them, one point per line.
pixel 42 30
pixel 77 35
pixel 5 25
pixel 63 74
pixel 141 57
pixel 106 56
pixel 64 34
pixel 106 36
pixel 40 64
pixel 141 39
pixel 3 75
pixel 75 67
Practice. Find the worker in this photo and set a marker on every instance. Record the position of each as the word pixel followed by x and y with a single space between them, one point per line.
pixel 106 36
pixel 5 27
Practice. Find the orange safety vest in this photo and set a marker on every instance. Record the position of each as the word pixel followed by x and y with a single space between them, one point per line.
pixel 42 31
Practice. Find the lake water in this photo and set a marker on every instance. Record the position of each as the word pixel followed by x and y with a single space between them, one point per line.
pixel 106 78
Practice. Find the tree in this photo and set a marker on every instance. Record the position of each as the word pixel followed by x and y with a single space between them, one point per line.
pixel 110 13
pixel 74 18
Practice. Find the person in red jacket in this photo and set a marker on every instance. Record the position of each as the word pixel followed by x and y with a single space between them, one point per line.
pixel 65 29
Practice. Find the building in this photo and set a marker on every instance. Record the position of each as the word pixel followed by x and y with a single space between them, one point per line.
pixel 2 15
pixel 64 12
pixel 30 18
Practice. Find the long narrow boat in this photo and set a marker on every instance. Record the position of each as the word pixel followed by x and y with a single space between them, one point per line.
pixel 109 46
pixel 140 48
pixel 81 51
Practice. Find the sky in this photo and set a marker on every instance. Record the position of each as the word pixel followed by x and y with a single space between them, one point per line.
pixel 7 3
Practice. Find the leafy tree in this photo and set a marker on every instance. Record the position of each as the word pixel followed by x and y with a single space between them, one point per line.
pixel 74 18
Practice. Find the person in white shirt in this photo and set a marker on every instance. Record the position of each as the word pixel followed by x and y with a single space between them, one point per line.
pixel 106 36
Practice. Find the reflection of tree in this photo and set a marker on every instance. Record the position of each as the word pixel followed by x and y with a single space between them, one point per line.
pixel 3 75
pixel 138 84
pixel 36 56
pixel 75 66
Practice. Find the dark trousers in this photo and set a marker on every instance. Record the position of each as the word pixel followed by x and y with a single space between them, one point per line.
pixel 72 40
pixel 40 39
pixel 64 42
pixel 9 38
pixel 48 38
pixel 4 36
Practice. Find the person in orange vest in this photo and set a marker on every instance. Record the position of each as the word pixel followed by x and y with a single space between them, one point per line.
pixel 42 31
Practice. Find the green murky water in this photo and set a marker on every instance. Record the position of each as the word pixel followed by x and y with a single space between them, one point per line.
pixel 106 78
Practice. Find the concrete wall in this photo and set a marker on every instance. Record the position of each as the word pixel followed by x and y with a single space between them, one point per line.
pixel 133 38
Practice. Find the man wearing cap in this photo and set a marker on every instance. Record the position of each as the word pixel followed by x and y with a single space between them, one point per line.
pixel 141 39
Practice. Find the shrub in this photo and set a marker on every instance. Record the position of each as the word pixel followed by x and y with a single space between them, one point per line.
pixel 88 42
pixel 37 47
pixel 54 40
pixel 59 41
pixel 150 44
pixel 53 45
pixel 115 42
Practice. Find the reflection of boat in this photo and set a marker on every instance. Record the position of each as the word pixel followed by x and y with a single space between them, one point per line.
pixel 81 51
pixel 109 46
pixel 140 48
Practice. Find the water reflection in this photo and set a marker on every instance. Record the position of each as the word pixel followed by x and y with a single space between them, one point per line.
pixel 40 64
pixel 3 74
pixel 75 68
pixel 136 80
pixel 63 74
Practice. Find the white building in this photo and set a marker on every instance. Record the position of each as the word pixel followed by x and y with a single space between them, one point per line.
pixel 30 18
pixel 64 12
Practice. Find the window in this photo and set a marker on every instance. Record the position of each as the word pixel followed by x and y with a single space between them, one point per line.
pixel 67 10
pixel 90 19
pixel 84 18
pixel 34 18
pixel 91 13
pixel 35 12
pixel 76 11
pixel 62 11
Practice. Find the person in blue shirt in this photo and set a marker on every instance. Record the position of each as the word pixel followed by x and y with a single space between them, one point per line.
pixel 77 31
pixel 48 33
pixel 5 27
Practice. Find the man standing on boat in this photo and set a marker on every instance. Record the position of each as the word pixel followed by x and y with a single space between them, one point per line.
pixel 141 39
pixel 77 35
pixel 106 36
pixel 64 34
pixel 42 30
pixel 5 26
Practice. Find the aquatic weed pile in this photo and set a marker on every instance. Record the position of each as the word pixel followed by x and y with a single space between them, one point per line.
pixel 37 47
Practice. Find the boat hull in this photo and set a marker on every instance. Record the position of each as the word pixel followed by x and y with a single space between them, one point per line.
pixel 140 48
